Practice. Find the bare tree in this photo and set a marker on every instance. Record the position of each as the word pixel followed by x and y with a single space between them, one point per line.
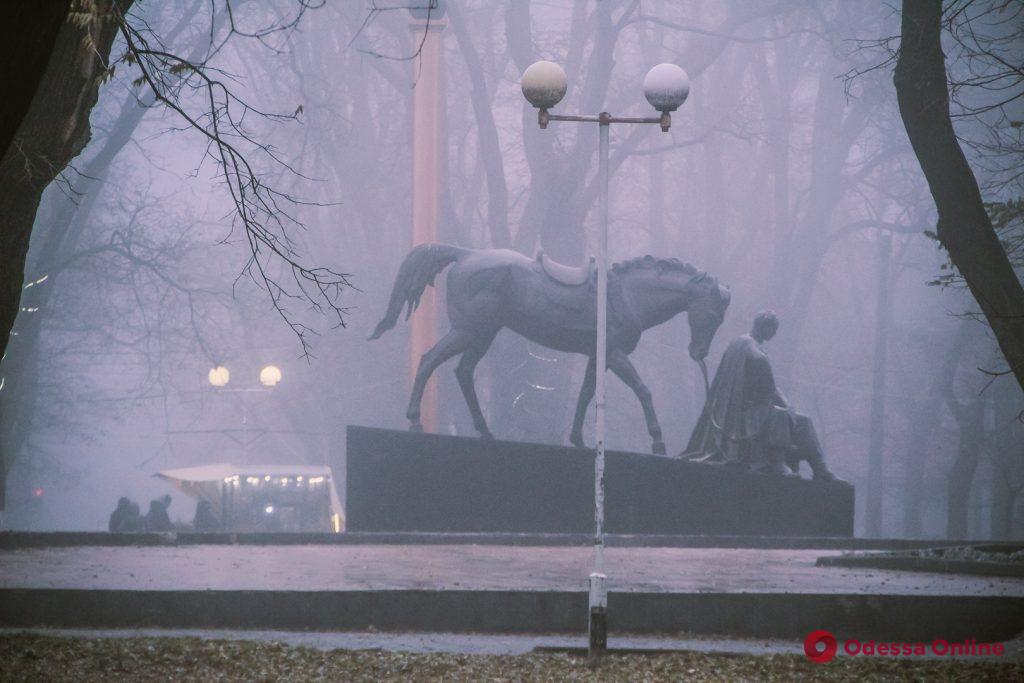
pixel 964 226
pixel 53 129
pixel 56 128
pixel 262 210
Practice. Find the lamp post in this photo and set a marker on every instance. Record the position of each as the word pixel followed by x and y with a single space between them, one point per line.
pixel 666 87
pixel 220 376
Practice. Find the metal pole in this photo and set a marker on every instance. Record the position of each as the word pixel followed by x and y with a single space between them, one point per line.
pixel 666 87
pixel 598 591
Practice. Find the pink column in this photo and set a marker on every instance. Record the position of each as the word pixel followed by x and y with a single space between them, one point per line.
pixel 426 191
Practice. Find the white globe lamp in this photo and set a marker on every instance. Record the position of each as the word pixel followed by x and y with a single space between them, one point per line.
pixel 666 87
pixel 219 376
pixel 544 86
pixel 270 376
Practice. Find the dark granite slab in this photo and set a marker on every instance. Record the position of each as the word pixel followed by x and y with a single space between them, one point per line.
pixel 403 481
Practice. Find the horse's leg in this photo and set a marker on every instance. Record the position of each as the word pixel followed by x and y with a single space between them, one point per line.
pixel 453 343
pixel 464 373
pixel 586 394
pixel 620 364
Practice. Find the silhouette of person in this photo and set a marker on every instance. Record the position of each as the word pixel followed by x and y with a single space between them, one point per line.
pixel 121 520
pixel 157 518
pixel 205 519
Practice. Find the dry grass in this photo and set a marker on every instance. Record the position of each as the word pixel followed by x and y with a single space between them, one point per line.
pixel 45 658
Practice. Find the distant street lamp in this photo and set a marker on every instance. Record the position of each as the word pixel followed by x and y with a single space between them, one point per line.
pixel 219 376
pixel 270 376
pixel 666 87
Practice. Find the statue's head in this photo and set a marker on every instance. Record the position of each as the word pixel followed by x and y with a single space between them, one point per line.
pixel 766 324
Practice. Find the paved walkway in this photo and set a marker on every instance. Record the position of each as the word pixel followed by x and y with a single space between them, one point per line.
pixel 467 567
pixel 464 643
pixel 471 643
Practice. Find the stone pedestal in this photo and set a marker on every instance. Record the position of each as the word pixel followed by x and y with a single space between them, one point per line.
pixel 401 481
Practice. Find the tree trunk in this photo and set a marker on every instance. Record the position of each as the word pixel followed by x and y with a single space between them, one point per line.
pixel 964 227
pixel 61 233
pixel 487 133
pixel 53 131
pixel 961 475
pixel 813 237
pixel 28 33
pixel 1004 436
pixel 926 421
pixel 876 448
pixel 1002 507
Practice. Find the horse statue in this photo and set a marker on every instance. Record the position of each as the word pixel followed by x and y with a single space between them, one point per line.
pixel 553 305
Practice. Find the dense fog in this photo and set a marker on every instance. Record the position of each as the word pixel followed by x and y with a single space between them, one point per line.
pixel 787 175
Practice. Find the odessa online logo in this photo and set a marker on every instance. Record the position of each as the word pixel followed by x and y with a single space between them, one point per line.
pixel 820 646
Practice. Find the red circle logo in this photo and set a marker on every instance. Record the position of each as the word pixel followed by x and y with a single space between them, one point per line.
pixel 820 646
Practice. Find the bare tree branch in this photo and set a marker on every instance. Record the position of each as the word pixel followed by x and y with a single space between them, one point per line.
pixel 263 212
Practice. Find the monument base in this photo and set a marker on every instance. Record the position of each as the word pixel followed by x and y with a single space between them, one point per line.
pixel 404 481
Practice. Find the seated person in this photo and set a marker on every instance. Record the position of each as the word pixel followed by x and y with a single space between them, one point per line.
pixel 124 518
pixel 205 519
pixel 747 421
pixel 157 518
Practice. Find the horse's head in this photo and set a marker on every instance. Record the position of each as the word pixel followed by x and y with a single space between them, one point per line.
pixel 664 288
pixel 705 313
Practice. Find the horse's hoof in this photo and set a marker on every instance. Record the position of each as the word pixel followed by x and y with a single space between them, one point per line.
pixel 658 448
pixel 416 427
pixel 485 435
pixel 578 443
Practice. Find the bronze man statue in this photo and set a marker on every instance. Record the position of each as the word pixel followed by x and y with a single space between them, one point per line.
pixel 747 421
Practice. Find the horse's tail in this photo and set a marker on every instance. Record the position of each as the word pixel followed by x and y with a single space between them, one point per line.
pixel 418 270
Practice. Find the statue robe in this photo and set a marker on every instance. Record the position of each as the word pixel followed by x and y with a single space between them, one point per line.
pixel 739 406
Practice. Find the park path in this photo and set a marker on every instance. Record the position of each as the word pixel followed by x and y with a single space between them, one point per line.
pixel 466 567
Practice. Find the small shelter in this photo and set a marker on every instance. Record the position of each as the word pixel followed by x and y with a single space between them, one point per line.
pixel 247 498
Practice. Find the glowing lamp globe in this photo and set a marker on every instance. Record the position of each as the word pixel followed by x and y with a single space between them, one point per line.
pixel 219 376
pixel 666 86
pixel 544 84
pixel 270 376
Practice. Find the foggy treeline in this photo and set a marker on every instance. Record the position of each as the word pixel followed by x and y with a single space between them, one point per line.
pixel 787 175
